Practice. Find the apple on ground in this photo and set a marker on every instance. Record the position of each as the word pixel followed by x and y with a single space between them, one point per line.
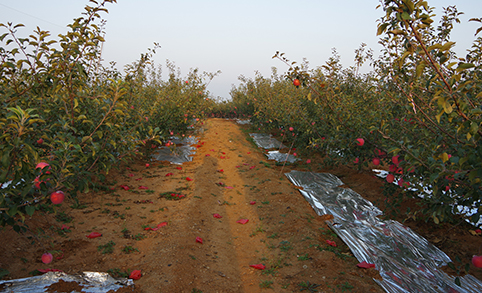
pixel 47 258
pixel 477 261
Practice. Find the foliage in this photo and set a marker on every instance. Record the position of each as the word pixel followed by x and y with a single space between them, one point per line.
pixel 61 106
pixel 418 111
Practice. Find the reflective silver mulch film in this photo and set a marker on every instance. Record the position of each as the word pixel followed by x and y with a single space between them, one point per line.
pixel 178 154
pixel 406 261
pixel 266 141
pixel 280 157
pixel 242 121
pixel 92 281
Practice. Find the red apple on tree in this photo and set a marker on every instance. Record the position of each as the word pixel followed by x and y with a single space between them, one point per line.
pixel 57 197
pixel 360 141
pixel 395 160
pixel 40 141
pixel 376 161
pixel 390 178
pixel 296 82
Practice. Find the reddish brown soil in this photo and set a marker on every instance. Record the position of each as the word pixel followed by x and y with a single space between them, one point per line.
pixel 283 231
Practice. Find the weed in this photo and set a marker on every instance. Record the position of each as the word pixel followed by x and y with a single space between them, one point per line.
pixel 63 217
pixel 265 202
pixel 337 251
pixel 129 249
pixel 308 287
pixel 194 290
pixel 304 257
pixel 265 284
pixel 309 217
pixel 192 256
pixel 138 237
pixel 267 165
pixel 117 273
pixel 285 286
pixel 270 271
pixel 345 287
pixel 106 248
pixel 285 246
pixel 273 236
pixel 3 273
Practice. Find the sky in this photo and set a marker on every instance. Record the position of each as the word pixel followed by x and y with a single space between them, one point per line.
pixel 235 37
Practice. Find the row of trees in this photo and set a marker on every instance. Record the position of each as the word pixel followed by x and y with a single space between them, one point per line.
pixel 418 111
pixel 63 108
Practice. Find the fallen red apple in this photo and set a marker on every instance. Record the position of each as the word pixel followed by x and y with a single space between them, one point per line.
pixel 135 275
pixel 477 261
pixel 296 82
pixel 94 235
pixel 47 258
pixel 258 266
pixel 360 141
pixel 376 161
pixel 57 197
pixel 390 178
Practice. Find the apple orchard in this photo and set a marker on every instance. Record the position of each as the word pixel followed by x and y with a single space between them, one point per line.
pixel 66 119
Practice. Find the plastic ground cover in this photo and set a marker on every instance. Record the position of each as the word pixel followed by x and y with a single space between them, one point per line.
pixel 266 141
pixel 242 121
pixel 92 281
pixel 281 157
pixel 406 261
pixel 178 154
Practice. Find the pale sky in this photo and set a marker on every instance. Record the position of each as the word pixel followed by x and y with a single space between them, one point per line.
pixel 236 37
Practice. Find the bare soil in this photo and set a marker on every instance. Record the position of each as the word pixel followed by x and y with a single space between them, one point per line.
pixel 228 176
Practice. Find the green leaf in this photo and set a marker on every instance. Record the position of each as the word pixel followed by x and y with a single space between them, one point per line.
pixel 420 68
pixel 30 210
pixel 439 116
pixel 457 281
pixel 447 107
pixel 381 28
pixel 464 66
pixel 474 127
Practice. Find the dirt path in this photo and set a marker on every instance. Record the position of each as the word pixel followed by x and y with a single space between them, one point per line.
pixel 228 174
